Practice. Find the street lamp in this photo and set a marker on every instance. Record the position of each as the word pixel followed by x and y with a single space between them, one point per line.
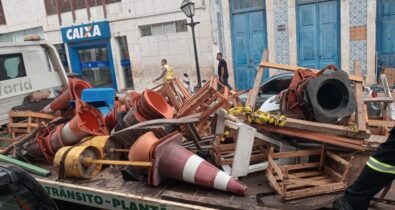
pixel 188 7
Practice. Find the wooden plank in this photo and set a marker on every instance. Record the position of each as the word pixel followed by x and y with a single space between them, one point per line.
pixel 381 123
pixel 301 166
pixel 276 169
pixel 318 137
pixel 324 128
pixel 329 188
pixel 310 181
pixel 306 174
pixel 31 114
pixel 300 153
pixel 337 158
pixel 360 112
pixel 252 96
pixel 379 99
pixel 286 67
pixel 335 175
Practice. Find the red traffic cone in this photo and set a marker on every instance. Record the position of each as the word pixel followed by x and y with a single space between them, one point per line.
pixel 171 160
pixel 73 92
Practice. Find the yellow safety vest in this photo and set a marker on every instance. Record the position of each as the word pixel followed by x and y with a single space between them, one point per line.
pixel 169 73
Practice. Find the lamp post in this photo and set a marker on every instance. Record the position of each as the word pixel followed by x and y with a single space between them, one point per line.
pixel 188 7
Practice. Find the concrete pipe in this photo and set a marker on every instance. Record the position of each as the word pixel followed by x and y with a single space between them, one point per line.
pixel 330 96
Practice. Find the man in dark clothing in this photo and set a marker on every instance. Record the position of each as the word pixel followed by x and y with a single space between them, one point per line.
pixel 223 71
pixel 378 173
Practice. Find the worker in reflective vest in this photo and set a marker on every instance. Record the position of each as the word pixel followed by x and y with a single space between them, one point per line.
pixel 167 72
pixel 378 173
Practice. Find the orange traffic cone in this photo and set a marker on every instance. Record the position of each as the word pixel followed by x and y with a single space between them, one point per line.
pixel 73 92
pixel 140 150
pixel 171 160
pixel 88 121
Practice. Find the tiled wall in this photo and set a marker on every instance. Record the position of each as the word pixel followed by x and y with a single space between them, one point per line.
pixel 358 48
pixel 282 36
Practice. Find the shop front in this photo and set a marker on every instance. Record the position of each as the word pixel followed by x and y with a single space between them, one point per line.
pixel 90 52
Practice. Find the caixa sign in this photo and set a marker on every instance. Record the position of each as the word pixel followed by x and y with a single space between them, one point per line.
pixel 85 32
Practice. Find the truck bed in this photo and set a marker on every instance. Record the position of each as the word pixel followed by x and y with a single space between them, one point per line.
pixel 110 191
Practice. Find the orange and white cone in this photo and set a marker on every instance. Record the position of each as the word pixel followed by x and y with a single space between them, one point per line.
pixel 73 92
pixel 171 160
pixel 88 121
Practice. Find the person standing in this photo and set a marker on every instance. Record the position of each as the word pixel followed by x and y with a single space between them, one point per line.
pixel 223 74
pixel 378 173
pixel 167 72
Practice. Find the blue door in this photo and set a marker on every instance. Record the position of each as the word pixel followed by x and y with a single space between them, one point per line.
pixel 93 60
pixel 386 34
pixel 318 33
pixel 248 40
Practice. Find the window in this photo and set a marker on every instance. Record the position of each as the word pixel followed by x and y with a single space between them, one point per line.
pixel 11 66
pixel 2 15
pixel 65 5
pixel 245 4
pixel 62 54
pixel 163 28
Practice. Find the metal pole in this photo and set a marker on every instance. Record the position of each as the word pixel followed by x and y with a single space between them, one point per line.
pixel 196 54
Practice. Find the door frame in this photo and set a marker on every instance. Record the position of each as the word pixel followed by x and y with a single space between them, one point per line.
pixel 239 11
pixel 303 2
pixel 74 47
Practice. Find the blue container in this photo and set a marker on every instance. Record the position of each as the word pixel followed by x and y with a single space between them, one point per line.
pixel 100 98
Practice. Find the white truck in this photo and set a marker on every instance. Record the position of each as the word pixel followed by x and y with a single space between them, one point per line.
pixel 25 68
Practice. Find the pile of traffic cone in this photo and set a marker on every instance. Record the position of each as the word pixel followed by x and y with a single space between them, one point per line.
pixel 171 160
pixel 88 121
pixel 73 92
pixel 147 106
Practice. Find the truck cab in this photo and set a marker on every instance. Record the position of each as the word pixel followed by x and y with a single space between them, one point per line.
pixel 25 68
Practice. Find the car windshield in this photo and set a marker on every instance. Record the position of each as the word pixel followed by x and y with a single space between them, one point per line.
pixel 276 85
pixel 17 196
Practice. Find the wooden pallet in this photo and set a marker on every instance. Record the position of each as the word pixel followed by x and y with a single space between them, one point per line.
pixel 224 154
pixel 208 99
pixel 23 122
pixel 326 173
pixel 175 93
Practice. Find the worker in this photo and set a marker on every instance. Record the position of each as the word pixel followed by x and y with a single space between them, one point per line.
pixel 167 73
pixel 378 173
pixel 223 74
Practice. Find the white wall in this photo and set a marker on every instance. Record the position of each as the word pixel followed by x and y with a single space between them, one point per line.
pixel 126 16
pixel 22 14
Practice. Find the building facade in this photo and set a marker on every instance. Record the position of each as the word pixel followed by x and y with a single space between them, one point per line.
pixel 119 43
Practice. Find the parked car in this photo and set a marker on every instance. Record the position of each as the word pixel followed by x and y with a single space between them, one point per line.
pixel 271 87
pixel 19 190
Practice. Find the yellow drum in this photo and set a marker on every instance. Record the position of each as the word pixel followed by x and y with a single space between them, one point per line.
pixel 77 161
pixel 105 145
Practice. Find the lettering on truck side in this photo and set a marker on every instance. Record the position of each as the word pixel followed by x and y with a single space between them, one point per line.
pixel 18 86
pixel 98 200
